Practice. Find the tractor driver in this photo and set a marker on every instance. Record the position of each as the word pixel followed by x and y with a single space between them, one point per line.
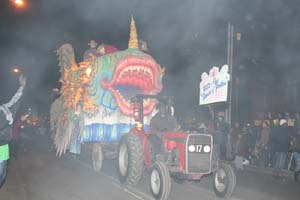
pixel 162 121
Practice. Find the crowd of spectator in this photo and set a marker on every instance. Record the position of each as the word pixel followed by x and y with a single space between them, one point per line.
pixel 273 142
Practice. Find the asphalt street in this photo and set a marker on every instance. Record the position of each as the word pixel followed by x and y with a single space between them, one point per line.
pixel 37 174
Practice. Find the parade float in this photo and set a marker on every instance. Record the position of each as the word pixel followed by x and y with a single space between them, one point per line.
pixel 108 101
pixel 94 104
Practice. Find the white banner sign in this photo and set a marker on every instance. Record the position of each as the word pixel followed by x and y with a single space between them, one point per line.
pixel 214 86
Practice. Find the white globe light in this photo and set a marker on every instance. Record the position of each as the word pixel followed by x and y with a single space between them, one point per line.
pixel 192 148
pixel 206 149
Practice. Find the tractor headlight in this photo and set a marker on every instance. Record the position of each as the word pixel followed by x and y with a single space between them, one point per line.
pixel 192 148
pixel 206 149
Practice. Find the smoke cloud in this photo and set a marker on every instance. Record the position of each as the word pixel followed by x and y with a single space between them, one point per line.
pixel 186 37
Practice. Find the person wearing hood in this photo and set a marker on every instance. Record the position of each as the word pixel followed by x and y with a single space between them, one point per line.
pixel 282 140
pixel 162 121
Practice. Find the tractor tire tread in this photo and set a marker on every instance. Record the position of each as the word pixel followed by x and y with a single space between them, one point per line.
pixel 135 159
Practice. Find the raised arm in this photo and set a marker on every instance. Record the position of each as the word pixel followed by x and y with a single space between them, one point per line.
pixel 5 107
pixel 17 96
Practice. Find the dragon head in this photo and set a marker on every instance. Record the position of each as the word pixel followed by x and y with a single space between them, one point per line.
pixel 127 73
pixel 136 73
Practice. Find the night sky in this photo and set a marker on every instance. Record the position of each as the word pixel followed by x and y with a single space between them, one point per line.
pixel 186 37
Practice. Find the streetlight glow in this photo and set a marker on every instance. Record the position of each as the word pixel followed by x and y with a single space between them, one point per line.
pixel 18 3
pixel 16 70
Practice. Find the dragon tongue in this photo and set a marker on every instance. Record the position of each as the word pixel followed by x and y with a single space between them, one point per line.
pixel 128 91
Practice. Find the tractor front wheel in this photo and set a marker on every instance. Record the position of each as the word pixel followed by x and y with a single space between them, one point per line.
pixel 224 180
pixel 160 181
pixel 130 159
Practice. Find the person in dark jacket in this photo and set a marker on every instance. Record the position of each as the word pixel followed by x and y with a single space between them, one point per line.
pixel 274 125
pixel 295 147
pixel 220 137
pixel 263 145
pixel 16 128
pixel 162 121
pixel 282 140
pixel 235 131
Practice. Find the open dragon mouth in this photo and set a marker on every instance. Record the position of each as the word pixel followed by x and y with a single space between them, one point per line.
pixel 134 75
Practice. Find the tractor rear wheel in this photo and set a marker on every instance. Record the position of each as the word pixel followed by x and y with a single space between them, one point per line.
pixel 97 157
pixel 130 159
pixel 160 181
pixel 224 180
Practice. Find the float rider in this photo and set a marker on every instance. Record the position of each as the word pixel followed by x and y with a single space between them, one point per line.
pixel 92 52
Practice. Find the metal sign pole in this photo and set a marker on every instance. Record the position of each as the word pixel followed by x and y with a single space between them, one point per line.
pixel 228 112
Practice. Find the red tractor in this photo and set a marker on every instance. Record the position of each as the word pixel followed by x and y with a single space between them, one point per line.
pixel 183 156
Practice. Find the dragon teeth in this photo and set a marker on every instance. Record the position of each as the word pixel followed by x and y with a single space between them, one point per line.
pixel 136 68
